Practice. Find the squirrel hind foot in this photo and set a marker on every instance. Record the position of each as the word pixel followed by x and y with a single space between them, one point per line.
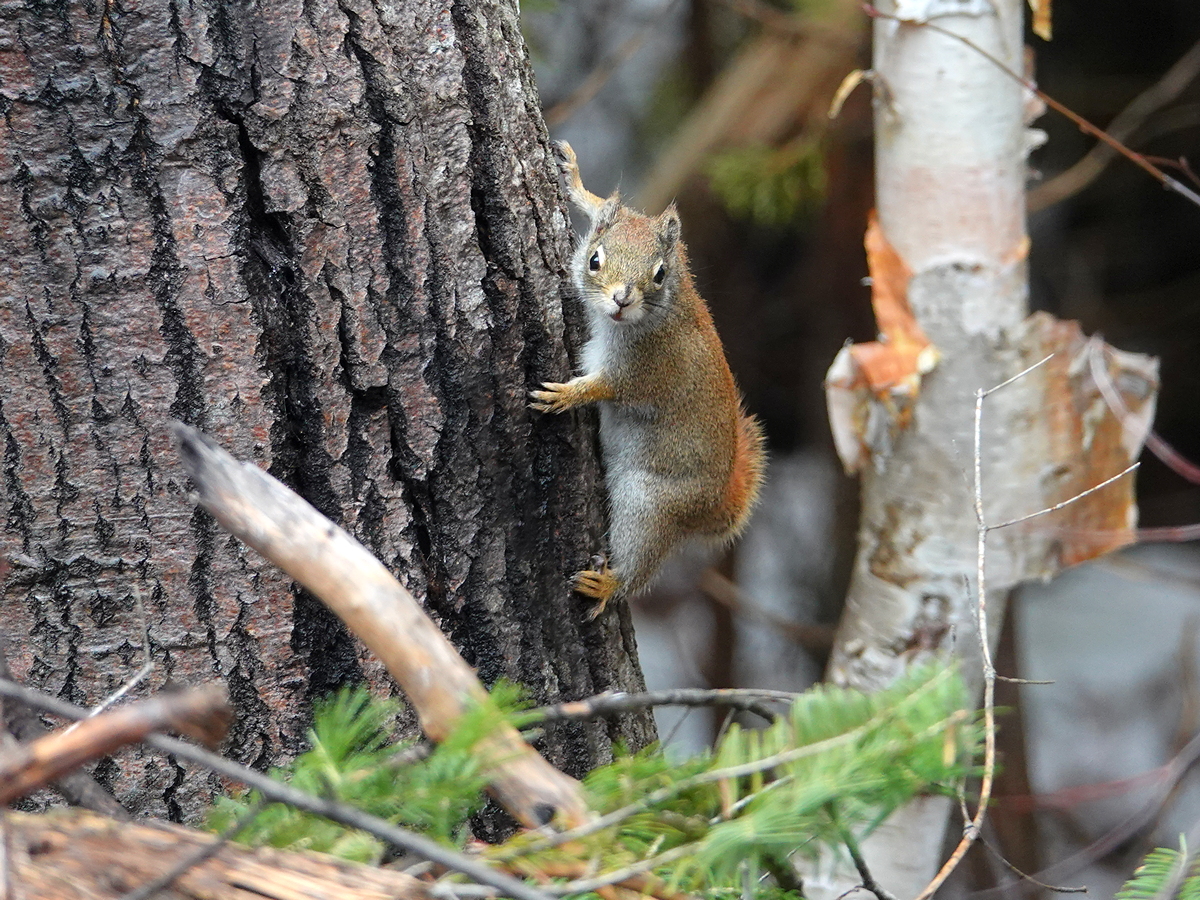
pixel 601 584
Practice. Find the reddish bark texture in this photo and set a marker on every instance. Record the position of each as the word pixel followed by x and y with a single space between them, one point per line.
pixel 328 235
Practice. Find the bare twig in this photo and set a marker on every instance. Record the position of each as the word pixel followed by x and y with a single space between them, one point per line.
pixel 851 842
pixel 78 788
pixel 1083 124
pixel 765 764
pixel 6 890
pixel 613 703
pixel 974 825
pixel 1167 454
pixel 971 831
pixel 584 885
pixel 1057 889
pixel 768 16
pixel 1057 506
pixel 1166 778
pixel 1122 127
pixel 147 661
pixel 278 792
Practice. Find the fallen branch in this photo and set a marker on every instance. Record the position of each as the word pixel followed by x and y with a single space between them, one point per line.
pixel 77 855
pixel 285 529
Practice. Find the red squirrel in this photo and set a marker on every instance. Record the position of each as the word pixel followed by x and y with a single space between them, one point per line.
pixel 682 458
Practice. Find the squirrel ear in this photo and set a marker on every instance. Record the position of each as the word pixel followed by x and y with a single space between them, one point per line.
pixel 668 227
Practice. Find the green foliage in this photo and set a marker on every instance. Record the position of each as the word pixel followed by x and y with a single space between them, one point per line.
pixel 839 753
pixel 1164 874
pixel 351 759
pixel 828 771
pixel 769 186
pixel 839 760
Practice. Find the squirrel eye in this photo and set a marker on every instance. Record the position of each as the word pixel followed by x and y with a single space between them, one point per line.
pixel 597 260
pixel 660 274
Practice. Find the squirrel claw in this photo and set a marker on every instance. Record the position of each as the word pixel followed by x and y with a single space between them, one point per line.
pixel 599 584
pixel 564 156
pixel 552 398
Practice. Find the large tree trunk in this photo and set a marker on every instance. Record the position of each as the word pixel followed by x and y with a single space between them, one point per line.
pixel 329 235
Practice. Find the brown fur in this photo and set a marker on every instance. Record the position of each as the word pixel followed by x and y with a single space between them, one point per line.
pixel 682 458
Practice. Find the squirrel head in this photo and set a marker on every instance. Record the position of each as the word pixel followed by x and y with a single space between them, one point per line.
pixel 628 266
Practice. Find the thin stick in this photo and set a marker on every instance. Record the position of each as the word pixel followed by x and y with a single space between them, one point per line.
pixel 1057 889
pixel 1168 455
pixel 973 828
pixel 1083 124
pixel 563 110
pixel 612 703
pixel 584 885
pixel 847 838
pixel 989 671
pixel 278 792
pixel 1122 127
pixel 1018 376
pixel 6 890
pixel 1057 506
pixel 140 674
pixel 724 591
pixel 730 772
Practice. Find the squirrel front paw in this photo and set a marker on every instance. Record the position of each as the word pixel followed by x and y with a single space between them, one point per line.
pixel 564 158
pixel 600 583
pixel 552 398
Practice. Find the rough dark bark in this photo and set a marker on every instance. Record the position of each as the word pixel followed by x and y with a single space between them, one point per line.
pixel 329 235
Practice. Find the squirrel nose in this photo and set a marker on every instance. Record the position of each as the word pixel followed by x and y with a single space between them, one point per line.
pixel 623 296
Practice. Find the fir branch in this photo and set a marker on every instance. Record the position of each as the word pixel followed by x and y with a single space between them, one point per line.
pixel 406 840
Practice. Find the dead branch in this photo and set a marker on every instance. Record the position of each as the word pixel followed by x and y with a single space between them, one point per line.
pixel 285 529
pixel 975 825
pixel 202 713
pixel 76 855
pixel 1098 354
pixel 78 788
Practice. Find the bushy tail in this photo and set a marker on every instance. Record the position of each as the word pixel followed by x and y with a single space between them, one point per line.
pixel 745 481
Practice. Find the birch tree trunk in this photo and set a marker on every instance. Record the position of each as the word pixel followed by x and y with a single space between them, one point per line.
pixel 950 158
pixel 330 236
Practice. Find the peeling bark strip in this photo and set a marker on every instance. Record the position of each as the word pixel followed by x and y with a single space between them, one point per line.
pixel 329 235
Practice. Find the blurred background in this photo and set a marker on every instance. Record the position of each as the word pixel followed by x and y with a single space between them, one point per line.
pixel 722 106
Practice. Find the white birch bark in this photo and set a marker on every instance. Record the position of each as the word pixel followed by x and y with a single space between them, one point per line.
pixel 950 166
